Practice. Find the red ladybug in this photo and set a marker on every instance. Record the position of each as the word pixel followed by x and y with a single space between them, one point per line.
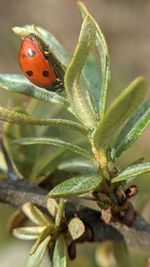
pixel 35 65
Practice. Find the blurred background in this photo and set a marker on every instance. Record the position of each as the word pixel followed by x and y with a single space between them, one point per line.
pixel 126 28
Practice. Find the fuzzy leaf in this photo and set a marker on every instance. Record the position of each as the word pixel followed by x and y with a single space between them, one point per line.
pixel 20 118
pixel 132 171
pixel 28 232
pixel 78 96
pixel 122 107
pixel 104 59
pixel 133 128
pixel 35 214
pixel 76 186
pixel 78 165
pixel 60 253
pixel 19 84
pixel 76 228
pixel 54 142
pixel 93 81
pixel 35 259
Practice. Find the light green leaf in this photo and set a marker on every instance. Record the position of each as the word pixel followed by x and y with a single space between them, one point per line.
pixel 76 186
pixel 19 84
pixel 42 236
pixel 28 232
pixel 76 228
pixel 52 206
pixel 78 165
pixel 133 128
pixel 60 253
pixel 20 118
pixel 92 77
pixel 78 96
pixel 55 142
pixel 60 212
pixel 35 214
pixel 132 171
pixel 104 59
pixel 35 259
pixel 122 107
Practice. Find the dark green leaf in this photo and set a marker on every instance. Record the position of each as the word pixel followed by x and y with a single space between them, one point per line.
pixel 76 186
pixel 122 107
pixel 132 171
pixel 54 142
pixel 60 253
pixel 133 128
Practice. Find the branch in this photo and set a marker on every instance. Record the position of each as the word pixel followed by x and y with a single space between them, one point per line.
pixel 17 193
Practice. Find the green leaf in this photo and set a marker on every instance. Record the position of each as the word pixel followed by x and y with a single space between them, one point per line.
pixel 23 158
pixel 132 171
pixel 20 118
pixel 42 236
pixel 54 142
pixel 104 59
pixel 60 211
pixel 28 232
pixel 92 77
pixel 76 186
pixel 19 84
pixel 78 96
pixel 52 206
pixel 35 259
pixel 133 128
pixel 35 214
pixel 76 228
pixel 60 253
pixel 78 165
pixel 122 107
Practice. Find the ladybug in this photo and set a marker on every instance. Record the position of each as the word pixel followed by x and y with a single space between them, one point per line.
pixel 35 65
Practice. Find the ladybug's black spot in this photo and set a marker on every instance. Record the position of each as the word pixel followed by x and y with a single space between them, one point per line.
pixel 31 53
pixel 29 73
pixel 45 73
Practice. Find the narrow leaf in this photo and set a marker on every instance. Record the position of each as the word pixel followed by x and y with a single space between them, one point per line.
pixel 60 253
pixel 132 171
pixel 28 232
pixel 54 142
pixel 133 128
pixel 19 84
pixel 78 96
pixel 60 211
pixel 76 186
pixel 104 59
pixel 20 118
pixel 52 206
pixel 122 107
pixel 76 228
pixel 42 236
pixel 78 165
pixel 35 214
pixel 35 259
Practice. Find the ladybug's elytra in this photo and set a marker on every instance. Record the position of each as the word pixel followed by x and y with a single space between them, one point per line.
pixel 35 65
